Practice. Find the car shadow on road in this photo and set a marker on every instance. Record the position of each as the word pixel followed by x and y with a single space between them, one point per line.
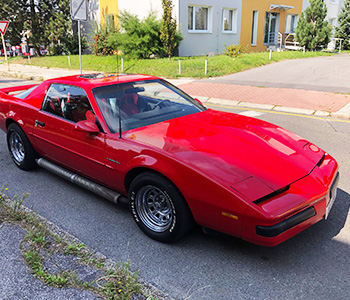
pixel 312 265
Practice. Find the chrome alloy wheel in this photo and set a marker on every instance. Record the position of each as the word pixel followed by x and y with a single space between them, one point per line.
pixel 154 208
pixel 17 147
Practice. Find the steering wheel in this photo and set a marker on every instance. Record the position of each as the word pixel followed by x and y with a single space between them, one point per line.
pixel 162 103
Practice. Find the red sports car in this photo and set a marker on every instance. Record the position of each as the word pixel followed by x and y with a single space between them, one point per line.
pixel 139 139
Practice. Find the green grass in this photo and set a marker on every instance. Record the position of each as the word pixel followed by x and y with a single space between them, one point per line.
pixel 190 66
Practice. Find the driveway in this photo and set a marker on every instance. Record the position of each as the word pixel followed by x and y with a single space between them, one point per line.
pixel 325 73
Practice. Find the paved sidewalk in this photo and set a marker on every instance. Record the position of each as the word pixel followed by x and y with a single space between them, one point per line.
pixel 225 91
pixel 281 99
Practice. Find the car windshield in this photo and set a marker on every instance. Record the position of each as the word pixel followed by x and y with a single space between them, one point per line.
pixel 142 103
pixel 25 93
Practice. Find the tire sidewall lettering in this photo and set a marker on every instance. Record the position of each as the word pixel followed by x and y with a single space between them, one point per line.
pixel 171 229
pixel 132 205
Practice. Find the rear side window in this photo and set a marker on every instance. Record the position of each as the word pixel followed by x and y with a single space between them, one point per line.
pixel 69 102
pixel 25 93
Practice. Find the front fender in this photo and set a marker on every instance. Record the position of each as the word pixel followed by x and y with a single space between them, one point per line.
pixel 206 199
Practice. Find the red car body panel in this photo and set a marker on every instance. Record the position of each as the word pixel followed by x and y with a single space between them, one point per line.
pixel 222 163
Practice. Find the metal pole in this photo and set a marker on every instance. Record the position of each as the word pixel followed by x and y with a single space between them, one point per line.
pixel 5 52
pixel 81 69
pixel 179 67
pixel 122 64
pixel 270 54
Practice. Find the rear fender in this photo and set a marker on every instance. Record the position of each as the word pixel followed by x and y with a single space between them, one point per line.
pixel 24 115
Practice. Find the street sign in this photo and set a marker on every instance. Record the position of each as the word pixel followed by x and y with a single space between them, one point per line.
pixel 3 26
pixel 78 10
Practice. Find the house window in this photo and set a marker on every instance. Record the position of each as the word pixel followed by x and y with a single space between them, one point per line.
pixel 198 18
pixel 332 21
pixel 291 23
pixel 229 20
pixel 271 28
pixel 255 28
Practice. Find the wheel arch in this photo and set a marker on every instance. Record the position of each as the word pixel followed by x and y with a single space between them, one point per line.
pixel 133 173
pixel 9 121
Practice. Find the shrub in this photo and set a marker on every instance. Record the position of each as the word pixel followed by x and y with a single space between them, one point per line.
pixel 101 44
pixel 234 50
pixel 140 38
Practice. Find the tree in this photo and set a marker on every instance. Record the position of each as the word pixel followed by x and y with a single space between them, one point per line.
pixel 168 32
pixel 10 12
pixel 44 21
pixel 343 30
pixel 313 31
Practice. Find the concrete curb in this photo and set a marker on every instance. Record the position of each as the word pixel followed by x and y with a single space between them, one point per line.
pixel 343 113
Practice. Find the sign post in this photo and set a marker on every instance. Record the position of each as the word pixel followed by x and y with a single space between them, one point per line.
pixel 3 28
pixel 78 11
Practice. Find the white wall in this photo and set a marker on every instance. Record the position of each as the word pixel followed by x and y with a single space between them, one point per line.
pixel 141 8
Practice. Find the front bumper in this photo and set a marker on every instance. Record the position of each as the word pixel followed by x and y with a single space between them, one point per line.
pixel 308 201
pixel 271 231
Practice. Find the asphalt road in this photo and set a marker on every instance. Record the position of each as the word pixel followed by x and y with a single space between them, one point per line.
pixel 325 73
pixel 313 265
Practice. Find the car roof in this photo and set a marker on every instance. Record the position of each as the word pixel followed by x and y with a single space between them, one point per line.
pixel 100 79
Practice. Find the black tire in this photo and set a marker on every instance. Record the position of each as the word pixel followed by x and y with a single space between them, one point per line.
pixel 158 208
pixel 20 148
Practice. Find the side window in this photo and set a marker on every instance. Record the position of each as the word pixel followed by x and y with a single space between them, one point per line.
pixel 69 102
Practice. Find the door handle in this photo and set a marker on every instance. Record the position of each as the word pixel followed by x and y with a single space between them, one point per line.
pixel 38 123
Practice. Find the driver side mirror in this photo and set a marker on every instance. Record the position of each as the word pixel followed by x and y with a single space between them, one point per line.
pixel 87 126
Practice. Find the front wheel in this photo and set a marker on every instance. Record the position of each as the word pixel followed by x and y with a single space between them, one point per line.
pixel 20 148
pixel 158 208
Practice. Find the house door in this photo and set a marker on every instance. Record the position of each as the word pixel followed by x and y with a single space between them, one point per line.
pixel 271 28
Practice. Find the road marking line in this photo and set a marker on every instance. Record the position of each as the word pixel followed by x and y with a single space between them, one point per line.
pixel 281 113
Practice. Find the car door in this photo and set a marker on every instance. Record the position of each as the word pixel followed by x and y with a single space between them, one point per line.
pixel 58 140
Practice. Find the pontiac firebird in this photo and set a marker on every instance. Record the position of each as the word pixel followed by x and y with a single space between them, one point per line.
pixel 137 138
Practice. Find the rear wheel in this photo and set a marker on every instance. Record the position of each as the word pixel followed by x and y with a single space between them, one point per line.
pixel 20 148
pixel 158 208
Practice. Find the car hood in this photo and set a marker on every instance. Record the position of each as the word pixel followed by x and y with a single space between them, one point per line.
pixel 248 155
